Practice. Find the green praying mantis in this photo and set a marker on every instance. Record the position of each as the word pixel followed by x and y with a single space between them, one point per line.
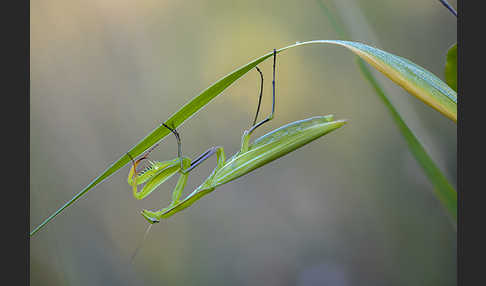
pixel 251 156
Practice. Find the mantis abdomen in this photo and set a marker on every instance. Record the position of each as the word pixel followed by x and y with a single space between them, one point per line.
pixel 274 145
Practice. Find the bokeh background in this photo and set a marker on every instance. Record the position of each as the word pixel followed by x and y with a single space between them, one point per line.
pixel 352 208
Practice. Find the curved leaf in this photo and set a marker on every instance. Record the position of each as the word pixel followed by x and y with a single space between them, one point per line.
pixel 413 78
pixel 416 80
pixel 451 67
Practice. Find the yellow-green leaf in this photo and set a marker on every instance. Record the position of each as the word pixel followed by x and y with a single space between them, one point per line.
pixel 416 80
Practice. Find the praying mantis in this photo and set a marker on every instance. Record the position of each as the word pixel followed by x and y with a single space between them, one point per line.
pixel 251 156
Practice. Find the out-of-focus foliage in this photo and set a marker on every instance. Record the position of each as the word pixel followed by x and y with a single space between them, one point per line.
pixel 451 67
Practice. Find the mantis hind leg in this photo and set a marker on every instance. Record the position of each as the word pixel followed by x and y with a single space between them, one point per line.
pixel 270 117
pixel 245 141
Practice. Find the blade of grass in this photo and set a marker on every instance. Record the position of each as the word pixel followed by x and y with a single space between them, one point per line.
pixel 446 194
pixel 413 78
pixel 418 81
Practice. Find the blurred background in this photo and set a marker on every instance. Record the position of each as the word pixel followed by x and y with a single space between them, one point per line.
pixel 352 208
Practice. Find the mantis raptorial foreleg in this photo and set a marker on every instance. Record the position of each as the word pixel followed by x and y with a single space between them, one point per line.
pixel 158 172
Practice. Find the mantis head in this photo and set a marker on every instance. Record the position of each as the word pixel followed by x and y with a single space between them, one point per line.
pixel 150 216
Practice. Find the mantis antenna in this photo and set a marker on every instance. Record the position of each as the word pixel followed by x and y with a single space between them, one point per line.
pixel 141 243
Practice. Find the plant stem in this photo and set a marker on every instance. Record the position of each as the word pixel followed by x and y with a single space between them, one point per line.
pixel 448 6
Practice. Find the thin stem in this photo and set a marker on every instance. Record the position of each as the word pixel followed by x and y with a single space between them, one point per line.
pixel 449 7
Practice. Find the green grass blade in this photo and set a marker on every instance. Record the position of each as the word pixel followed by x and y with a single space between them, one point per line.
pixel 416 80
pixel 398 69
pixel 451 67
